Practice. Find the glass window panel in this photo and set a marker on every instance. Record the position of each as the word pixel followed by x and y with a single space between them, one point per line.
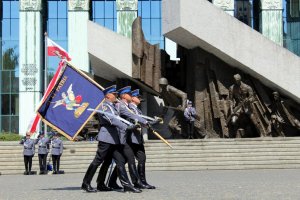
pixel 115 9
pixel 14 110
pixel 109 23
pixel 14 29
pixel 99 21
pixel 52 28
pixel 98 9
pixel 5 122
pixel 109 9
pixel 6 9
pixel 5 104
pixel 14 82
pixel 62 28
pixel 146 27
pixel 140 9
pixel 10 58
pixel 52 9
pixel 14 9
pixel 14 124
pixel 62 9
pixel 115 24
pixel 6 28
pixel 155 27
pixel 145 9
pixel 155 9
pixel 5 82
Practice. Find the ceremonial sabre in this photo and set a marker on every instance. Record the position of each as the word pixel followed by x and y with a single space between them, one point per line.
pixel 111 115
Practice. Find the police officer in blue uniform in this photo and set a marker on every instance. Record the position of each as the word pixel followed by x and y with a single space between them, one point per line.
pixel 56 152
pixel 109 139
pixel 43 149
pixel 28 152
pixel 136 141
pixel 189 116
pixel 125 112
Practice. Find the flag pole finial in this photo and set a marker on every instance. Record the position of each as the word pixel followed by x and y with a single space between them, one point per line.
pixel 45 34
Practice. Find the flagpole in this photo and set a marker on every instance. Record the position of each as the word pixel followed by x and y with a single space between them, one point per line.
pixel 46 72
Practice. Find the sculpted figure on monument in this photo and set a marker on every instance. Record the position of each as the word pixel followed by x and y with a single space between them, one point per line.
pixel 174 99
pixel 281 117
pixel 241 97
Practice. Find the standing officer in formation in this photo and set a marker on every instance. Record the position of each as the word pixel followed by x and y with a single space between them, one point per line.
pixel 28 153
pixel 111 128
pixel 43 150
pixel 57 150
pixel 189 116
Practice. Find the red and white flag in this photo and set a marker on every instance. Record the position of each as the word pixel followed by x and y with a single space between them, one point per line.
pixel 56 50
pixel 36 119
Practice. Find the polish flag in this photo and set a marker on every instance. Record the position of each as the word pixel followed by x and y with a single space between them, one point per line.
pixel 36 119
pixel 56 50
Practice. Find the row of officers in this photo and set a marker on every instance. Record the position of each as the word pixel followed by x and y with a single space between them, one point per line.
pixel 44 144
pixel 120 142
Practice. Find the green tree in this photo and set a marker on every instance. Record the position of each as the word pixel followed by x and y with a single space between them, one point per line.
pixel 10 59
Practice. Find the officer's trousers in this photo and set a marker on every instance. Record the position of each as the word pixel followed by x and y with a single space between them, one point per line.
pixel 28 163
pixel 56 162
pixel 42 161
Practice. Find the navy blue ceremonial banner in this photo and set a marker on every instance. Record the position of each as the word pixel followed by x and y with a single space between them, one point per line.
pixel 65 108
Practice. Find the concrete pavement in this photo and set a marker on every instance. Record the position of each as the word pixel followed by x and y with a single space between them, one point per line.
pixel 185 185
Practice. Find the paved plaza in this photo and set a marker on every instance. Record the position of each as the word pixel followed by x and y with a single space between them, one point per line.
pixel 187 185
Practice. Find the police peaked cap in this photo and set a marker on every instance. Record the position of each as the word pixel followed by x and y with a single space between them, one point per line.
pixel 136 93
pixel 125 90
pixel 110 89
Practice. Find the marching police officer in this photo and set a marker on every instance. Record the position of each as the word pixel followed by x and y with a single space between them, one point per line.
pixel 28 152
pixel 111 127
pixel 56 152
pixel 125 112
pixel 43 150
pixel 136 141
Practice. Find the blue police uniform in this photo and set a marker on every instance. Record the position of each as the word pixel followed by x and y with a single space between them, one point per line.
pixel 108 148
pixel 125 112
pixel 189 116
pixel 28 152
pixel 43 149
pixel 56 152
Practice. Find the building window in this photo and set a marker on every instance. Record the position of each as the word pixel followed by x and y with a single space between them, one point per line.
pixel 104 13
pixel 9 66
pixel 57 29
pixel 150 12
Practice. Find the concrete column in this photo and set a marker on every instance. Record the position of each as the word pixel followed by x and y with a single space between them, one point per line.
pixel 226 5
pixel 270 19
pixel 78 15
pixel 30 61
pixel 126 14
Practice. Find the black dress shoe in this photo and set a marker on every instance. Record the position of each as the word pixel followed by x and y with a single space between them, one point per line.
pixel 25 173
pixel 54 172
pixel 130 188
pixel 87 187
pixel 140 185
pixel 115 186
pixel 103 188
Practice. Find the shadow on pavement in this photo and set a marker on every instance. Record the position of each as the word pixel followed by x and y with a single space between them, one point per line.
pixel 64 188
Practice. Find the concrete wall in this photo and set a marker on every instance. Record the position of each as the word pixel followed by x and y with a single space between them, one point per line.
pixel 198 23
pixel 110 53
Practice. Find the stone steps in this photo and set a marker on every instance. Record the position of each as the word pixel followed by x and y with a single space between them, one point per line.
pixel 212 154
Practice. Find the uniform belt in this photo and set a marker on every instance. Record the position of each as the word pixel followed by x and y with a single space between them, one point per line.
pixel 27 148
pixel 42 147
